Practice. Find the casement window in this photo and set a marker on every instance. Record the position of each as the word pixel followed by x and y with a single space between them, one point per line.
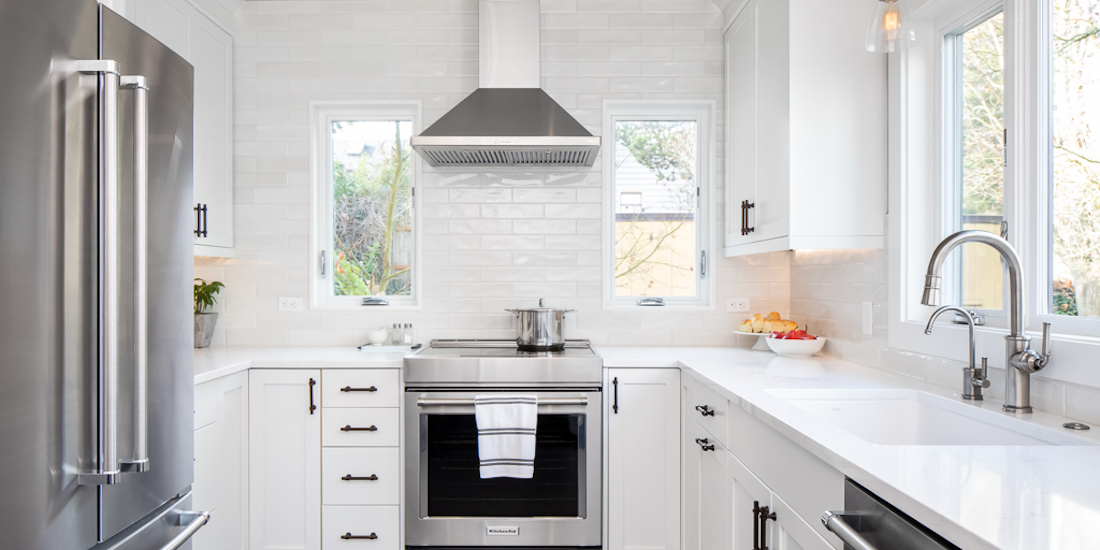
pixel 995 126
pixel 658 172
pixel 364 219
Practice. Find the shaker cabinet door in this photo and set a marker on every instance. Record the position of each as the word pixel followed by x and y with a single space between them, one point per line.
pixel 284 459
pixel 643 454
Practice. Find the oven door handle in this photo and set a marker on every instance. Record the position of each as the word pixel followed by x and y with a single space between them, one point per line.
pixel 429 402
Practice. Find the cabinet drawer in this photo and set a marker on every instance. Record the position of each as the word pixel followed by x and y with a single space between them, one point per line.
pixel 381 522
pixel 360 428
pixel 708 408
pixel 379 467
pixel 360 388
pixel 206 405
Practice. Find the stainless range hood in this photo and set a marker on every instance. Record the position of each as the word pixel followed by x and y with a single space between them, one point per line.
pixel 508 120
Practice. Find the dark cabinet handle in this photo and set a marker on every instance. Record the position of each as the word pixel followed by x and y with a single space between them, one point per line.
pixel 349 536
pixel 202 222
pixel 615 405
pixel 756 525
pixel 312 407
pixel 702 442
pixel 745 207
pixel 349 389
pixel 704 410
pixel 349 428
pixel 350 477
pixel 765 514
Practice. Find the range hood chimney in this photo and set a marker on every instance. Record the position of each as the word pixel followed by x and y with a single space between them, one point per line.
pixel 508 120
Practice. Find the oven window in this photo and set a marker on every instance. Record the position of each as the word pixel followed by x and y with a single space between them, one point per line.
pixel 455 487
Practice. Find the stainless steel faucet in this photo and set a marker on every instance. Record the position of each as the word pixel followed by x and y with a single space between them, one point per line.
pixel 974 379
pixel 1020 359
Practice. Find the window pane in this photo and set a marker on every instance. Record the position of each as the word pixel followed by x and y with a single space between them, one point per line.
pixel 372 208
pixel 1075 155
pixel 980 93
pixel 655 206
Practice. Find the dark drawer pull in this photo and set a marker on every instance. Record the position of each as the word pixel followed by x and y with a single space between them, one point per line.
pixel 703 443
pixel 704 410
pixel 349 428
pixel 350 477
pixel 349 388
pixel 349 536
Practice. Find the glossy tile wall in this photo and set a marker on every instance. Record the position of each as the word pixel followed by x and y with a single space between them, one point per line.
pixel 490 240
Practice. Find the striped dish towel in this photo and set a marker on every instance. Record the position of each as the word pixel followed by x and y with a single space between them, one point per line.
pixel 506 434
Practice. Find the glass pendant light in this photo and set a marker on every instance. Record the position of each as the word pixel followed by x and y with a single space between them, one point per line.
pixel 890 29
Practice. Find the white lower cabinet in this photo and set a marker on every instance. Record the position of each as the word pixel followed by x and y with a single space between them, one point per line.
pixel 221 462
pixel 354 476
pixel 643 459
pixel 728 506
pixel 284 459
pixel 361 528
pixel 707 491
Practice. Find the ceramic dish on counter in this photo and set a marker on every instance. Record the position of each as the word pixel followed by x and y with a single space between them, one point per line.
pixel 795 348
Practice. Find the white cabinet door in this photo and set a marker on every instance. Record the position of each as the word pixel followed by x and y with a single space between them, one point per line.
pixel 643 454
pixel 221 462
pixel 791 532
pixel 758 128
pixel 751 498
pixel 284 459
pixel 706 491
pixel 210 50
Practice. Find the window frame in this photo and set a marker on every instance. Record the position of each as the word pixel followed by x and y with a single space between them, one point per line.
pixel 704 113
pixel 321 116
pixel 917 163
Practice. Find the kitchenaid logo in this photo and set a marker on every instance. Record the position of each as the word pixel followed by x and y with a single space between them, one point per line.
pixel 502 531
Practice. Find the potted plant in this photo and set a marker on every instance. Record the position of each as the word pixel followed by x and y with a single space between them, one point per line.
pixel 204 322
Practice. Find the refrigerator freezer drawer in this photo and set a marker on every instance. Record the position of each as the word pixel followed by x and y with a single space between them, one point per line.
pixel 169 528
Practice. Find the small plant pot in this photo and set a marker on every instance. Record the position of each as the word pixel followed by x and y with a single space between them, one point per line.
pixel 204 329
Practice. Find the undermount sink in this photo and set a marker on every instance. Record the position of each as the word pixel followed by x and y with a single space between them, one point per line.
pixel 911 417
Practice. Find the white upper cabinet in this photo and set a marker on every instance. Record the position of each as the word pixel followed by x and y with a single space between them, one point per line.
pixel 806 108
pixel 209 48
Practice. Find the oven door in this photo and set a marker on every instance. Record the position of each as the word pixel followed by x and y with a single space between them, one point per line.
pixel 447 502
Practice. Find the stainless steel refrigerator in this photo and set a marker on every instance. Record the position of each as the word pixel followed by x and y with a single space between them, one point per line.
pixel 96 409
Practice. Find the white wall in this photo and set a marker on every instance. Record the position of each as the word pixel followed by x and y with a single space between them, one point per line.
pixel 491 240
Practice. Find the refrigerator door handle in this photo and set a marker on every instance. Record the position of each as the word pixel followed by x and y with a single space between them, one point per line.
pixel 107 471
pixel 195 521
pixel 139 461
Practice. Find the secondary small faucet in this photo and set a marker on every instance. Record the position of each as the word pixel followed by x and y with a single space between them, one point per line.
pixel 1020 359
pixel 974 380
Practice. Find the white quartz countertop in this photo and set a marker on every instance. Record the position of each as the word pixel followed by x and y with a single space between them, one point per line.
pixel 216 362
pixel 979 497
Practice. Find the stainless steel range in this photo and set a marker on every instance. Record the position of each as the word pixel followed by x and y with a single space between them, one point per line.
pixel 447 502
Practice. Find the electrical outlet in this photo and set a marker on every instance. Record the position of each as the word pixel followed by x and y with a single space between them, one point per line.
pixel 868 322
pixel 738 305
pixel 292 303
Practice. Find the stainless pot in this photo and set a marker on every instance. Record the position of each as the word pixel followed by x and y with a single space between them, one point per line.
pixel 541 328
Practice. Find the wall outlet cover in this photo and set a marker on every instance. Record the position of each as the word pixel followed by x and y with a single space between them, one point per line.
pixel 868 321
pixel 290 303
pixel 738 305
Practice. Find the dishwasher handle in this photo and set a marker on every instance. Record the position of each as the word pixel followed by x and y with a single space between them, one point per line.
pixel 835 523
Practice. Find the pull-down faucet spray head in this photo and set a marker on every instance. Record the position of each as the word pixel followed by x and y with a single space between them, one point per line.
pixel 931 296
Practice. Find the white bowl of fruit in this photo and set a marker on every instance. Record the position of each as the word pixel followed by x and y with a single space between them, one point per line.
pixel 795 343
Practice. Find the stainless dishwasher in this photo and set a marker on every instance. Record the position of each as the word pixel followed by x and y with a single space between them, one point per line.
pixel 869 523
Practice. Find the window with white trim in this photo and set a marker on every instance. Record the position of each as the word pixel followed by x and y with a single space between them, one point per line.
pixel 364 215
pixel 994 119
pixel 658 166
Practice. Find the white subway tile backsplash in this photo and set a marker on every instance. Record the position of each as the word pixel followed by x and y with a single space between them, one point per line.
pixel 489 239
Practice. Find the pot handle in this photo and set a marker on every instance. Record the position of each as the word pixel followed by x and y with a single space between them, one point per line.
pixel 513 311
